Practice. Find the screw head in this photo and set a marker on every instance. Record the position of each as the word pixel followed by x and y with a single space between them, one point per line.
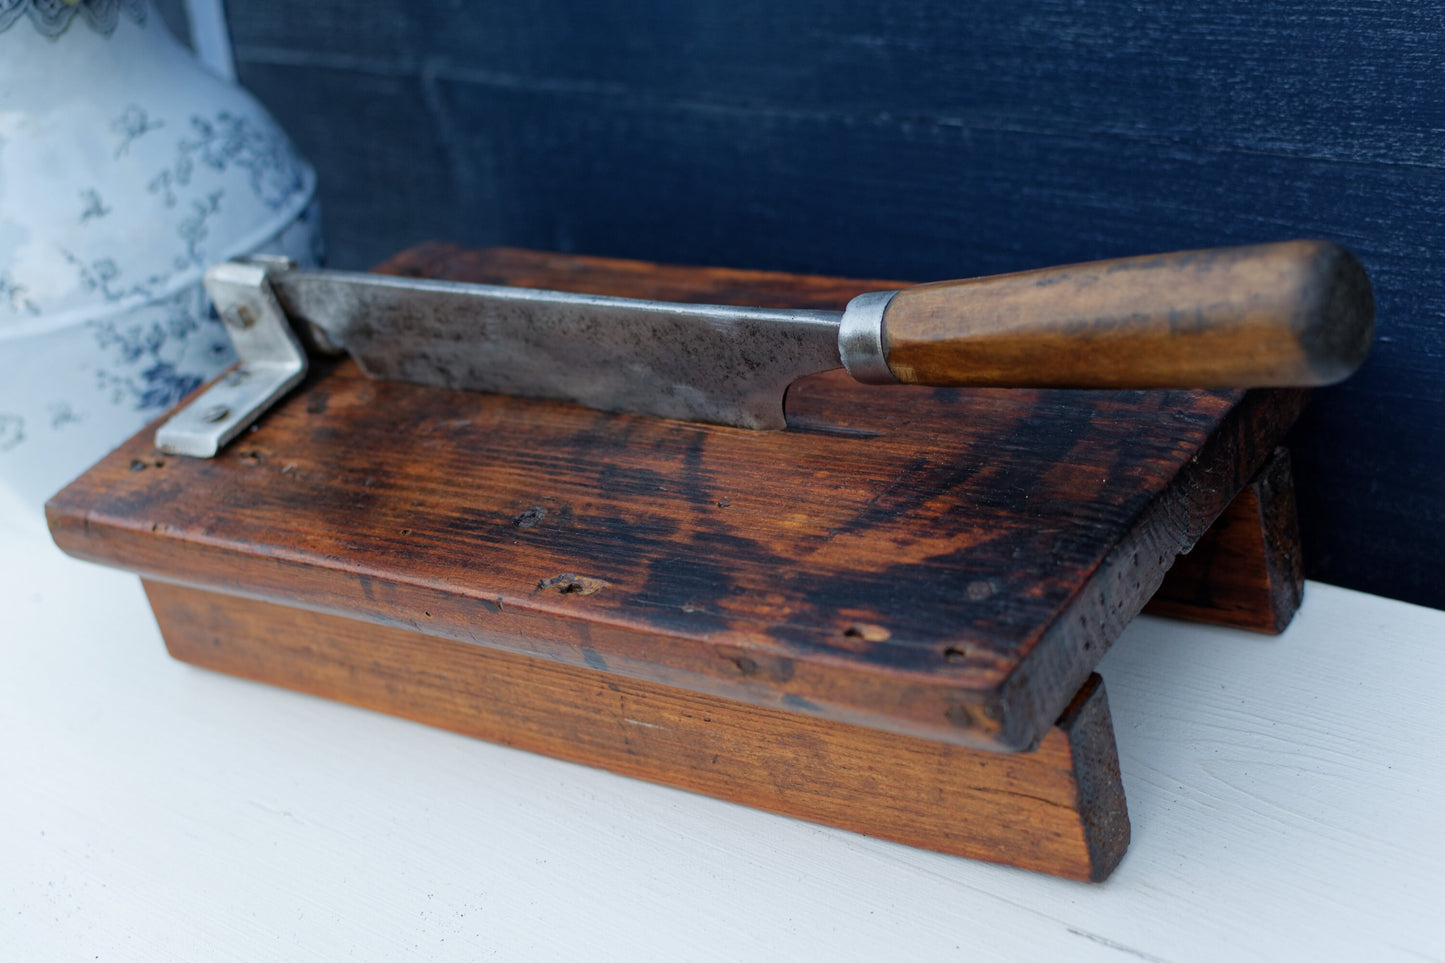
pixel 215 413
pixel 240 317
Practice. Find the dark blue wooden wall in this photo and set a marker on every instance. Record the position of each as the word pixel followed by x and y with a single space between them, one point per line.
pixel 920 140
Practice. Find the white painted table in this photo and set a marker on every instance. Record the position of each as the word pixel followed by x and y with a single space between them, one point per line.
pixel 1287 798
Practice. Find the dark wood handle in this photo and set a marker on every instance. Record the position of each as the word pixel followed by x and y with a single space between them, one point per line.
pixel 1294 313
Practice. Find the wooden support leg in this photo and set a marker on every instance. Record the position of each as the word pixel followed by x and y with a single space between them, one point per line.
pixel 1246 571
pixel 1058 809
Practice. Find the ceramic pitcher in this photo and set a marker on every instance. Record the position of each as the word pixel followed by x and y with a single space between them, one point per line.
pixel 126 168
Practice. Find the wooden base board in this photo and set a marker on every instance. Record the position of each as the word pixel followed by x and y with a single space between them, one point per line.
pixel 1058 809
pixel 691 525
pixel 1247 571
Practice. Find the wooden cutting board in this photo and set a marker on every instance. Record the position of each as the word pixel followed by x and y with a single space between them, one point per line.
pixel 939 567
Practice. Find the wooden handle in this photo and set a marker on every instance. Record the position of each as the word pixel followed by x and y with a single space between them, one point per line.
pixel 1294 313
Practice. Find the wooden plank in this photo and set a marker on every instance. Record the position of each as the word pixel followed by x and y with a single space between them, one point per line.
pixel 934 562
pixel 1247 570
pixel 1058 810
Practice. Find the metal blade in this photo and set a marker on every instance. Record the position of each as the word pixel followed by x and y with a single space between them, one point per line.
pixel 714 363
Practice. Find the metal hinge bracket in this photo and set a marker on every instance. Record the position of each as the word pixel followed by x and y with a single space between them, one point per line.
pixel 272 360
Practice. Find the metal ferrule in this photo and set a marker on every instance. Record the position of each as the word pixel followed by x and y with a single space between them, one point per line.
pixel 860 338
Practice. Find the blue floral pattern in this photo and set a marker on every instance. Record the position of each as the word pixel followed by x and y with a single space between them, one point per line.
pixel 163 356
pixel 230 141
pixel 133 124
pixel 12 431
pixel 224 142
pixel 16 295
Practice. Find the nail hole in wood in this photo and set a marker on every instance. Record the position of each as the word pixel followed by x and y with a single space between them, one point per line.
pixel 745 665
pixel 530 517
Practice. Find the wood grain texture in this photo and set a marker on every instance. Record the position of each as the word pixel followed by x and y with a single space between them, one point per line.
pixel 1246 571
pixel 1293 313
pixel 932 562
pixel 929 140
pixel 1058 810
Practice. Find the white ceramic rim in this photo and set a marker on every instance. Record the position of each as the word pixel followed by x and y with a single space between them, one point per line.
pixel 46 324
